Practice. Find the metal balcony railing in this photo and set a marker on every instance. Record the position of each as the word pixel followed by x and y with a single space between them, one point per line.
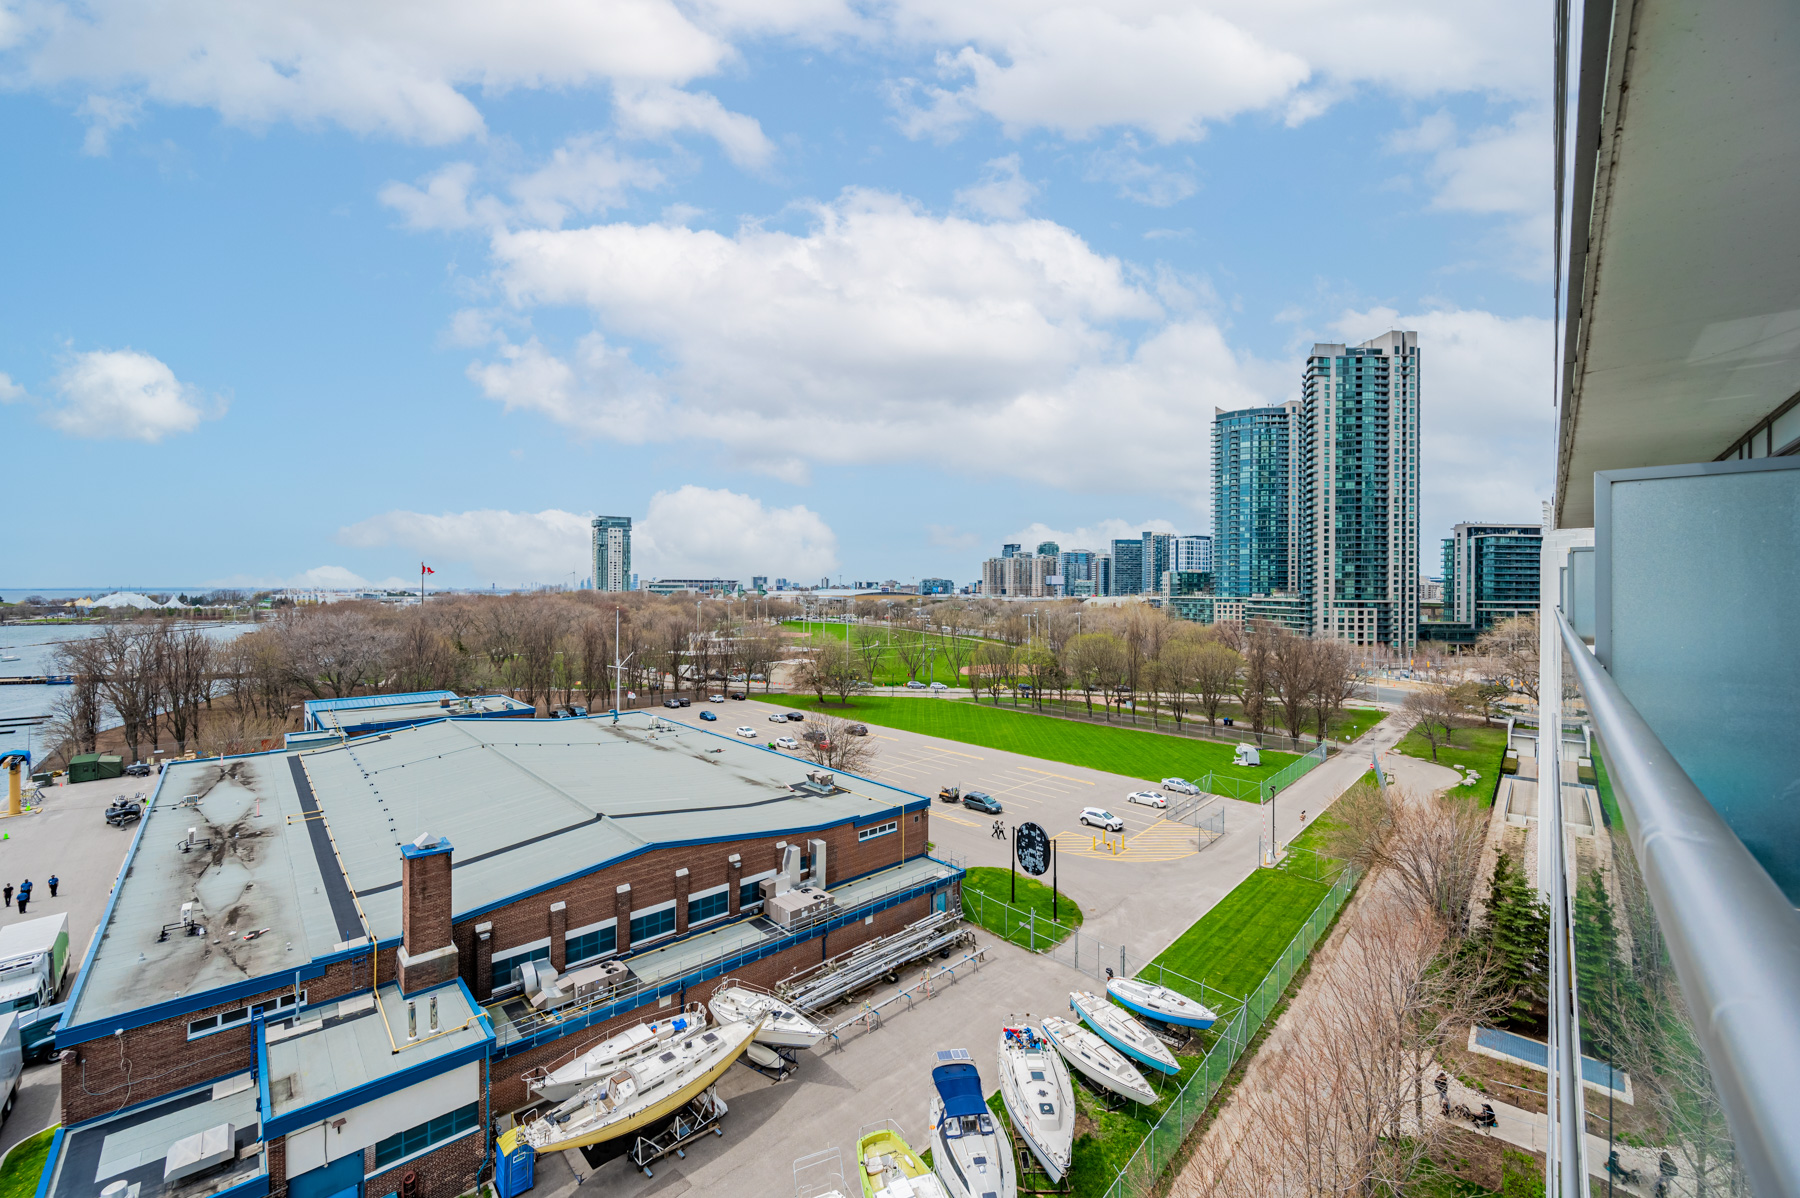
pixel 1727 929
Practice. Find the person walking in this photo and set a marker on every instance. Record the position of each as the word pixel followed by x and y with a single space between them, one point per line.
pixel 24 894
pixel 1443 1090
pixel 7 891
pixel 53 881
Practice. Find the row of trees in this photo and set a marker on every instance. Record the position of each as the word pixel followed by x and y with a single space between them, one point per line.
pixel 1135 659
pixel 161 680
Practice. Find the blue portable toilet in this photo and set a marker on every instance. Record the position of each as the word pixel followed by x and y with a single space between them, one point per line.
pixel 516 1168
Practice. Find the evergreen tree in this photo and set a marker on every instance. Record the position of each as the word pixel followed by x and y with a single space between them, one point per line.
pixel 1517 928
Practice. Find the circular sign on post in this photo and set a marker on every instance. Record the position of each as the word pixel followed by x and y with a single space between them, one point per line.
pixel 1033 849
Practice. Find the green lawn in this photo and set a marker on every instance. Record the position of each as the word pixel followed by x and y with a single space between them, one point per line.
pixel 1347 725
pixel 1129 752
pixel 888 669
pixel 1013 925
pixel 1234 945
pixel 24 1165
pixel 1480 749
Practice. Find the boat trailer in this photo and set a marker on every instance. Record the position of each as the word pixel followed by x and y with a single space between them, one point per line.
pixel 878 960
pixel 696 1119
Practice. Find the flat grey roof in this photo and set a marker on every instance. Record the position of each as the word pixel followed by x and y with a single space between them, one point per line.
pixel 523 803
pixel 359 1041
pixel 351 718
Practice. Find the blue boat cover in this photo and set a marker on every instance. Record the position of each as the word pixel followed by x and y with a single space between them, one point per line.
pixel 959 1085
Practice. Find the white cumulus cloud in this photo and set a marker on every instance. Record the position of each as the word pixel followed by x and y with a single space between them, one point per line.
pixel 1492 171
pixel 123 395
pixel 659 110
pixel 691 531
pixel 1003 191
pixel 584 176
pixel 882 333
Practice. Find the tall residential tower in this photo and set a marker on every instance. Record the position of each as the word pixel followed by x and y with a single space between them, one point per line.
pixel 1256 500
pixel 612 553
pixel 1359 473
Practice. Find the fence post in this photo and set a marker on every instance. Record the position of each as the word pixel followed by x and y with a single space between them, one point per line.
pixel 1033 932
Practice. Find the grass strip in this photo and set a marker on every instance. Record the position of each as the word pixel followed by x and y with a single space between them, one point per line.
pixel 1128 752
pixel 1480 749
pixel 1233 946
pixel 1009 917
pixel 24 1165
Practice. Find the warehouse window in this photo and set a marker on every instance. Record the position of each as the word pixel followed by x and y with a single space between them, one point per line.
pixel 709 906
pixel 749 894
pixel 506 969
pixel 593 943
pixel 652 924
pixel 433 1131
pixel 874 830
pixel 242 1015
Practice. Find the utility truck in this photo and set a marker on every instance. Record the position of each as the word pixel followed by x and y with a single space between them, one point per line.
pixel 33 955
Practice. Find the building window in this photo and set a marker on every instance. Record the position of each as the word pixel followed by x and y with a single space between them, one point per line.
pixel 596 942
pixel 434 1131
pixel 709 906
pixel 874 830
pixel 506 969
pixel 652 924
pixel 242 1015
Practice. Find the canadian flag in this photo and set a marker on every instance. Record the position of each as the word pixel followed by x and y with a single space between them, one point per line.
pixel 425 569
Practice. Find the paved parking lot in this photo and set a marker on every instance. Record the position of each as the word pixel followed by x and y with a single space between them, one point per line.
pixel 69 837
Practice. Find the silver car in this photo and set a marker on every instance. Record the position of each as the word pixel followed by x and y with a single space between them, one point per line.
pixel 1180 786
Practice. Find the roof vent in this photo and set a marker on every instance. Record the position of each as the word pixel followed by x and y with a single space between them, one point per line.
pixel 425 841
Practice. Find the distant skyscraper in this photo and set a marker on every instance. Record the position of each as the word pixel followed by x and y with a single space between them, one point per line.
pixel 1048 549
pixel 1075 565
pixel 1009 551
pixel 612 554
pixel 1491 573
pixel 1103 574
pixel 1159 558
pixel 1127 567
pixel 1193 555
pixel 1256 500
pixel 1359 468
pixel 759 582
pixel 936 586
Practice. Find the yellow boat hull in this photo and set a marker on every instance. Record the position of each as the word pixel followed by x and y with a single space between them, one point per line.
pixel 660 1109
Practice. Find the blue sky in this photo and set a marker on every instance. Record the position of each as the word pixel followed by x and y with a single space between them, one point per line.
pixel 806 287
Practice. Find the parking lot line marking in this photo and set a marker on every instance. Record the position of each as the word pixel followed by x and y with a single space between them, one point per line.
pixel 1064 777
pixel 954 753
pixel 958 820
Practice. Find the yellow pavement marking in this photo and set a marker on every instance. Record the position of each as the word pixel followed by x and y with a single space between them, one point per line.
pixel 1161 841
pixel 1064 777
pixel 957 820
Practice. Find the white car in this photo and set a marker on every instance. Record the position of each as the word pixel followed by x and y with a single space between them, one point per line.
pixel 787 742
pixel 715 698
pixel 1100 817
pixel 747 732
pixel 938 686
pixel 1180 786
pixel 1149 798
pixel 779 717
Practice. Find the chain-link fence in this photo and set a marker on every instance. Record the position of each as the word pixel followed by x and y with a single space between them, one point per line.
pixel 1159 1148
pixel 1016 925
pixel 1261 790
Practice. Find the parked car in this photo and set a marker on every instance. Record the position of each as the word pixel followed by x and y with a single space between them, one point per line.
pixel 138 769
pixel 747 732
pixel 938 686
pixel 915 685
pixel 671 702
pixel 684 702
pixel 557 713
pixel 709 717
pixel 812 736
pixel 759 678
pixel 857 730
pixel 982 802
pixel 1149 798
pixel 1180 786
pixel 1100 817
pixel 779 717
pixel 796 717
pixel 715 698
pixel 124 811
pixel 580 712
pixel 737 694
pixel 787 742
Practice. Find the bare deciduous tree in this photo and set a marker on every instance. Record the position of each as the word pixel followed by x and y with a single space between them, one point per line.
pixel 828 741
pixel 1437 714
pixel 1216 670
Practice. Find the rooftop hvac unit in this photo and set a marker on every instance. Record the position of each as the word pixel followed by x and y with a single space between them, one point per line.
pixel 594 979
pixel 770 887
pixel 790 864
pixel 816 849
pixel 798 907
pixel 197 1153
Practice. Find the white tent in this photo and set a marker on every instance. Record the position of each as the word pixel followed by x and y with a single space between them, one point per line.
pixel 131 599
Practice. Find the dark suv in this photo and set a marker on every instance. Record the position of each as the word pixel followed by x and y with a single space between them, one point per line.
pixel 982 802
pixel 796 717
pixel 858 730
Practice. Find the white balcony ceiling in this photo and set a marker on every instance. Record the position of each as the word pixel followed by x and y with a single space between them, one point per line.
pixel 1689 330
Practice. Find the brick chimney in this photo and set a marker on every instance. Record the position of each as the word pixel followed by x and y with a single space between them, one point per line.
pixel 427 955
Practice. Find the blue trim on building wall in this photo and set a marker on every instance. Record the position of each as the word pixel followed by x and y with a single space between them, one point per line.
pixel 381 1087
pixel 256 1187
pixel 68 1037
pixel 729 965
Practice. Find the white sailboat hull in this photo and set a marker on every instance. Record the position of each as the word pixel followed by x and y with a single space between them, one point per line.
pixel 1030 1081
pixel 783 1026
pixel 1119 1029
pixel 1159 1002
pixel 972 1166
pixel 1096 1060
pixel 600 1060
